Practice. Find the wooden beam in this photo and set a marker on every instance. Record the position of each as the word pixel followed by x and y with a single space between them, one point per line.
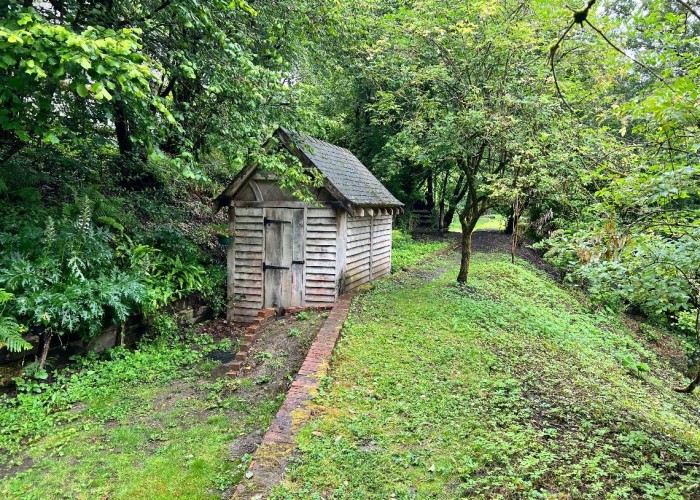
pixel 283 204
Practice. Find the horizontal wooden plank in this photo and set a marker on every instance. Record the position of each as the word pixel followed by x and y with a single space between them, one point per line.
pixel 320 256
pixel 357 220
pixel 319 299
pixel 247 276
pixel 247 291
pixel 358 232
pixel 354 245
pixel 247 241
pixel 381 256
pixel 363 253
pixel 380 266
pixel 313 236
pixel 319 284
pixel 249 222
pixel 354 284
pixel 321 248
pixel 248 233
pixel 320 277
pixel 358 249
pixel 245 260
pixel 320 212
pixel 312 221
pixel 319 291
pixel 242 268
pixel 321 228
pixel 249 211
pixel 248 248
pixel 326 271
pixel 378 262
pixel 330 264
pixel 357 268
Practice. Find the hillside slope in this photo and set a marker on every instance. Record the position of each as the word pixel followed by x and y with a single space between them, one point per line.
pixel 512 387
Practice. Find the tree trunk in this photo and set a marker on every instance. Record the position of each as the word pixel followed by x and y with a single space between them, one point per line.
pixel 696 381
pixel 121 127
pixel 441 218
pixel 466 254
pixel 45 348
pixel 449 216
pixel 514 229
pixel 510 221
pixel 468 219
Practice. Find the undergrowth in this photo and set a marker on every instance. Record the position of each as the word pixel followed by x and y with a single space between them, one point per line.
pixel 512 387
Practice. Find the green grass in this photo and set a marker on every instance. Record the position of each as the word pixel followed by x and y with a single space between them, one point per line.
pixel 147 424
pixel 511 387
pixel 493 222
pixel 407 252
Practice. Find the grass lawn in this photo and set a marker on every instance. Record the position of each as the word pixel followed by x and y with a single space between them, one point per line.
pixel 511 387
pixel 160 422
pixel 494 222
pixel 407 251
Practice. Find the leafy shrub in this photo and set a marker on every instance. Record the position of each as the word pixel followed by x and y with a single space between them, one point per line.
pixel 39 407
pixel 11 331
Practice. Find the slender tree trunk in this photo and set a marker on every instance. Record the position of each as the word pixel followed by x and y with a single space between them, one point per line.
pixel 516 219
pixel 45 348
pixel 696 381
pixel 448 218
pixel 468 219
pixel 441 218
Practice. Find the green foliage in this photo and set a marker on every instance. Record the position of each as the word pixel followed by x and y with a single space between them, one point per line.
pixel 46 66
pixel 10 331
pixel 41 408
pixel 512 387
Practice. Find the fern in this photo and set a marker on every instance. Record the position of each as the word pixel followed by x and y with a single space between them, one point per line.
pixel 11 331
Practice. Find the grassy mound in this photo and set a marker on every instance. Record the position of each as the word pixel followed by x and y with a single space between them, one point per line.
pixel 511 387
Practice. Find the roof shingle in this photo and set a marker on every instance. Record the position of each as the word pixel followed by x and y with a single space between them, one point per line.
pixel 344 171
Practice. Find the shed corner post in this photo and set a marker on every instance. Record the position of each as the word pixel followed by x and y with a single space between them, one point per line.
pixel 341 249
pixel 230 265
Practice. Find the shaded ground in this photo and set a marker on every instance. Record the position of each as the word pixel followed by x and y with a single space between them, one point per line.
pixel 188 434
pixel 511 388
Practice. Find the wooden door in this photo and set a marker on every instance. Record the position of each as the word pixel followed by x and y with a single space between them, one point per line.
pixel 283 265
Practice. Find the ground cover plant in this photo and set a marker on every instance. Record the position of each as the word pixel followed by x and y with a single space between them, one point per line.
pixel 162 421
pixel 407 251
pixel 514 387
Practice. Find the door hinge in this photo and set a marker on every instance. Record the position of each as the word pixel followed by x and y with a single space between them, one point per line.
pixel 268 266
pixel 297 262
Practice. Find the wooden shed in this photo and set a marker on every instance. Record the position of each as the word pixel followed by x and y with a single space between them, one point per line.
pixel 286 252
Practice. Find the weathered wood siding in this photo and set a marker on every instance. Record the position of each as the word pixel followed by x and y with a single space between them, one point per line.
pixel 320 257
pixel 381 246
pixel 368 254
pixel 358 259
pixel 246 259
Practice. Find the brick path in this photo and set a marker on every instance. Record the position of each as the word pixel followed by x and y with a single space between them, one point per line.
pixel 271 457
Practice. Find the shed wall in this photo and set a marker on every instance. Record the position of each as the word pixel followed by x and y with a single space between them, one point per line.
pixel 321 254
pixel 245 263
pixel 368 250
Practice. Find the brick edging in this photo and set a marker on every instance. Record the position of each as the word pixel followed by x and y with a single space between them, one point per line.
pixel 271 457
pixel 265 317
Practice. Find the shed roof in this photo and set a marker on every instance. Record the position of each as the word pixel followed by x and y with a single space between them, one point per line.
pixel 343 170
pixel 345 177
